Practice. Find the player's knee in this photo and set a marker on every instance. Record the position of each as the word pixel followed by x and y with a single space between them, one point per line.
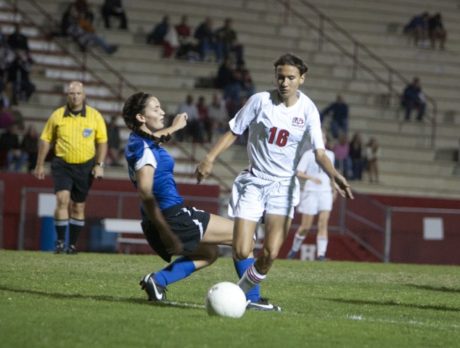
pixel 241 253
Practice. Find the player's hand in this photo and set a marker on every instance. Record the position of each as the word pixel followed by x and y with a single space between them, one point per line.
pixel 203 169
pixel 98 172
pixel 343 187
pixel 39 172
pixel 180 121
pixel 317 181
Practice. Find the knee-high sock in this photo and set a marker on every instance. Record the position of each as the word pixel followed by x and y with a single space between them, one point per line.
pixel 61 228
pixel 321 245
pixel 75 227
pixel 241 266
pixel 297 242
pixel 178 270
pixel 250 278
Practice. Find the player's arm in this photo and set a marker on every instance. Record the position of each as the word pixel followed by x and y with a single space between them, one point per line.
pixel 204 168
pixel 337 179
pixel 305 176
pixel 101 152
pixel 179 122
pixel 144 177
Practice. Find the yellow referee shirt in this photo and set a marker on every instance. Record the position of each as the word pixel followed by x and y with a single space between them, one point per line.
pixel 75 135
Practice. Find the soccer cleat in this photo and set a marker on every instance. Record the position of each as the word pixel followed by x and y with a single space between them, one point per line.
pixel 72 250
pixel 291 254
pixel 321 258
pixel 59 249
pixel 263 305
pixel 155 292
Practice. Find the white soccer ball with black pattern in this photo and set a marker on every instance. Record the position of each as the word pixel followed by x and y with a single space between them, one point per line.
pixel 226 299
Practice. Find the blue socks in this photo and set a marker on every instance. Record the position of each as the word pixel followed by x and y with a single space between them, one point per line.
pixel 181 268
pixel 241 266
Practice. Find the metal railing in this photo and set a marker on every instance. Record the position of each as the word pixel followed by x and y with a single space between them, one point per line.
pixel 357 50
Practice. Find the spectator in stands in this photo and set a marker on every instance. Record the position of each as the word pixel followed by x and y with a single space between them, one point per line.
pixel 195 128
pixel 11 147
pixel 114 143
pixel 29 147
pixel 187 49
pixel 79 26
pixel 417 28
pixel 413 98
pixel 205 121
pixel 18 42
pixel 342 152
pixel 164 34
pixel 247 84
pixel 372 157
pixel 218 114
pixel 114 8
pixel 18 78
pixel 206 40
pixel 227 43
pixel 6 116
pixel 436 31
pixel 79 135
pixel 339 112
pixel 356 156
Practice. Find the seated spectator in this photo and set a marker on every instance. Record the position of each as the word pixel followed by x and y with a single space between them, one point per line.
pixel 417 28
pixel 342 151
pixel 227 43
pixel 218 114
pixel 205 120
pixel 79 22
pixel 114 143
pixel 187 49
pixel 6 115
pixel 114 8
pixel 194 128
pixel 356 156
pixel 164 34
pixel 413 98
pixel 436 31
pixel 247 84
pixel 11 148
pixel 372 156
pixel 339 112
pixel 29 148
pixel 206 41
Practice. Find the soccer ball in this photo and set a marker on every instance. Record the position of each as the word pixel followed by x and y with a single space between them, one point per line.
pixel 226 299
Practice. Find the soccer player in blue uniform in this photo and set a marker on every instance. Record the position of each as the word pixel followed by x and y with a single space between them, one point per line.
pixel 170 227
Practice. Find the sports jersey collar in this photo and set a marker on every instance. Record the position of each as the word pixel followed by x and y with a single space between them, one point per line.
pixel 68 113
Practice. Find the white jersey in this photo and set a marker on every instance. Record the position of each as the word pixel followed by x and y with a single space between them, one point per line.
pixel 277 133
pixel 308 165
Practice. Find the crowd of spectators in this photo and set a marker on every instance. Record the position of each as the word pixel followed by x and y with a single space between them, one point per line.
pixel 426 30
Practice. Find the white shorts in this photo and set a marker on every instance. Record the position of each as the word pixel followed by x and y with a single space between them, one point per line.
pixel 253 196
pixel 312 202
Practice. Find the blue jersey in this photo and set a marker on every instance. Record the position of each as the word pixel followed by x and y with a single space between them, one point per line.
pixel 140 152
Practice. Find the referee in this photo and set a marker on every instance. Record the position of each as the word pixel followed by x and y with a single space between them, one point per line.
pixel 79 135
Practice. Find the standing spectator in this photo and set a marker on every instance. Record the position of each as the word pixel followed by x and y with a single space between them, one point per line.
pixel 279 122
pixel 29 147
pixel 205 121
pixel 436 31
pixel 18 78
pixel 356 156
pixel 372 157
pixel 227 43
pixel 339 121
pixel 114 8
pixel 316 199
pixel 341 152
pixel 195 129
pixel 218 114
pixel 79 135
pixel 206 39
pixel 17 41
pixel 114 142
pixel 418 29
pixel 413 98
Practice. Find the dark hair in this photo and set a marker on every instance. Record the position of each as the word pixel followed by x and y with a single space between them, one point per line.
pixel 134 105
pixel 291 59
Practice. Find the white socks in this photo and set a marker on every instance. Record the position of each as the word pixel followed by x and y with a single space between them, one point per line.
pixel 297 242
pixel 250 278
pixel 321 246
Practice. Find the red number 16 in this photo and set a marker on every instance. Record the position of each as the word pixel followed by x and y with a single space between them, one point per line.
pixel 281 136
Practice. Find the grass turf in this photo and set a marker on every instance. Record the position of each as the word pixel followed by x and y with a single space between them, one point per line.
pixel 93 300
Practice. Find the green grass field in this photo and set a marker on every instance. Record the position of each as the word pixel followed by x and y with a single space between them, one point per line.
pixel 93 300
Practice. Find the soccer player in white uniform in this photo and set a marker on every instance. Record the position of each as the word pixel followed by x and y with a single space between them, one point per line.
pixel 280 122
pixel 316 199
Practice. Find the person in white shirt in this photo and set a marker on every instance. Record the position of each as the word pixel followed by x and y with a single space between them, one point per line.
pixel 317 197
pixel 280 122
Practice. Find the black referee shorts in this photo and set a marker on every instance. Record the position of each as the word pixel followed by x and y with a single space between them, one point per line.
pixel 188 223
pixel 76 178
